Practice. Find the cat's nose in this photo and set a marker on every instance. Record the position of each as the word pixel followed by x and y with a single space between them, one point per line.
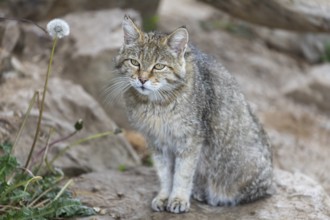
pixel 143 81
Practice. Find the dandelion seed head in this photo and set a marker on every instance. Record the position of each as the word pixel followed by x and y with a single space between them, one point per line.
pixel 58 28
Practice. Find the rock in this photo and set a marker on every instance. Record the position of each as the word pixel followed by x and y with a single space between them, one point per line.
pixel 299 134
pixel 34 44
pixel 310 46
pixel 9 35
pixel 45 10
pixel 27 40
pixel 90 63
pixel 84 58
pixel 104 153
pixel 313 90
pixel 138 142
pixel 299 15
pixel 314 47
pixel 102 30
pixel 66 102
pixel 127 195
pixel 36 9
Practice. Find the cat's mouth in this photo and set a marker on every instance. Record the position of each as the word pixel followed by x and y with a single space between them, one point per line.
pixel 143 90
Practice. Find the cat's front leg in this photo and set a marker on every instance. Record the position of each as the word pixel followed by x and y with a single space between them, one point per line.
pixel 185 166
pixel 164 162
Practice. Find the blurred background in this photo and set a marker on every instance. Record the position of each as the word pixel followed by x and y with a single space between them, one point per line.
pixel 278 50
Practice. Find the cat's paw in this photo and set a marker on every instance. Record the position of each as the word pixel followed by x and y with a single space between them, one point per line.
pixel 178 205
pixel 159 203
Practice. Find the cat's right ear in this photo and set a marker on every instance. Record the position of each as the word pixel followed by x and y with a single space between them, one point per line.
pixel 131 32
pixel 178 40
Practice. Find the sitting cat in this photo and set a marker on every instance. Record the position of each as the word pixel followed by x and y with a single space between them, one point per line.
pixel 205 140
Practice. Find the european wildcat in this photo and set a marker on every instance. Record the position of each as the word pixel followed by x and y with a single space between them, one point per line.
pixel 205 140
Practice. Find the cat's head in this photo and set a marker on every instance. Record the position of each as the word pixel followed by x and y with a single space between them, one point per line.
pixel 151 63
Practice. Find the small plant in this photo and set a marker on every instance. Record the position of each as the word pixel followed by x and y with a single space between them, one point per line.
pixel 150 23
pixel 147 161
pixel 122 168
pixel 24 194
pixel 326 54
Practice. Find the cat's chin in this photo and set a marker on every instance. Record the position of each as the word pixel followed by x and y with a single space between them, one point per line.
pixel 143 91
pixel 148 94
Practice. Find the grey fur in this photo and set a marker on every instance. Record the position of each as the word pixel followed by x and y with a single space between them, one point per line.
pixel 206 141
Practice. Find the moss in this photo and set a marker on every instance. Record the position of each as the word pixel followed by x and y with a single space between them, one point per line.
pixel 122 168
pixel 326 55
pixel 150 23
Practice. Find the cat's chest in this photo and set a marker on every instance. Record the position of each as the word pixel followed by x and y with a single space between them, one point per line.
pixel 162 124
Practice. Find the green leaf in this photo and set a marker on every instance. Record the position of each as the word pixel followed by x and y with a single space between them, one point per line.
pixel 23 190
pixel 326 54
pixel 6 147
pixel 21 214
pixel 71 207
pixel 19 195
pixel 8 164
pixel 57 209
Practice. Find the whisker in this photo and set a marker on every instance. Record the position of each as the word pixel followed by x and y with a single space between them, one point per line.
pixel 160 95
pixel 115 88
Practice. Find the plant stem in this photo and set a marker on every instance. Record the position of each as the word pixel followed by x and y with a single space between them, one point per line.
pixel 42 203
pixel 63 189
pixel 40 196
pixel 42 103
pixel 80 141
pixel 46 151
pixel 33 179
pixel 55 142
pixel 25 21
pixel 27 113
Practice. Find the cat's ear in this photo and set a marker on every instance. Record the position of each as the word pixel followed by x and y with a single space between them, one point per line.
pixel 131 32
pixel 178 40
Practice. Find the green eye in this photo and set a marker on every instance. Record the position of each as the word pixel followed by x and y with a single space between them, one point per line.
pixel 134 62
pixel 159 66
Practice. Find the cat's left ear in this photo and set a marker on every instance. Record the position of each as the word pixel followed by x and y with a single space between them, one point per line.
pixel 131 32
pixel 178 40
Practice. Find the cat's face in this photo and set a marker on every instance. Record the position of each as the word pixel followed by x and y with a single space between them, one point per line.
pixel 151 63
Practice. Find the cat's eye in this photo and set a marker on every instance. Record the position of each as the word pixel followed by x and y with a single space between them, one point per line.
pixel 134 62
pixel 159 66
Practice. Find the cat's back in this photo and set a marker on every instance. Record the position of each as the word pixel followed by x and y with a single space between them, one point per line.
pixel 222 107
pixel 214 77
pixel 215 86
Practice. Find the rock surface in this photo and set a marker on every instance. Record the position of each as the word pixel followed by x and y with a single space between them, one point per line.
pixel 309 46
pixel 297 15
pixel 65 104
pixel 37 10
pixel 313 90
pixel 91 62
pixel 289 95
pixel 127 195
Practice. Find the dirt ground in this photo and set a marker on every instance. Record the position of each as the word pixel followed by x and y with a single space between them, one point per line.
pixel 288 94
